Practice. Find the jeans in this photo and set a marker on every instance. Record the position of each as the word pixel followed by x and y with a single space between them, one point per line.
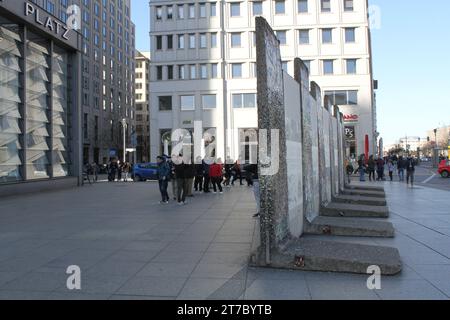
pixel 401 174
pixel 217 183
pixel 372 174
pixel 163 184
pixel 198 184
pixel 182 189
pixel 257 195
pixel 206 180
pixel 410 177
pixel 362 177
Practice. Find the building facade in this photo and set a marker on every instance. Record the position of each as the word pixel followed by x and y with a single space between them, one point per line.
pixel 40 100
pixel 203 66
pixel 107 72
pixel 143 107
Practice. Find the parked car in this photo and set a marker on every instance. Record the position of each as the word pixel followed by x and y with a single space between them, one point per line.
pixel 444 169
pixel 145 171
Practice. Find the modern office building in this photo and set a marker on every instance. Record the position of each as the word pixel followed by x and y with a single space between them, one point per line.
pixel 143 106
pixel 203 66
pixel 107 72
pixel 40 100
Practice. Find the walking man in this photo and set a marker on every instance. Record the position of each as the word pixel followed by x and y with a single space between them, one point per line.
pixel 410 170
pixel 401 166
pixel 163 179
pixel 216 174
pixel 182 185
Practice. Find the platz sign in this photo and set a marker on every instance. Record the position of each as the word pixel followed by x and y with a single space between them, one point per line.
pixel 48 22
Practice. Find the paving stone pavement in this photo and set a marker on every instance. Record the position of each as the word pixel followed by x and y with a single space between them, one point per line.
pixel 130 247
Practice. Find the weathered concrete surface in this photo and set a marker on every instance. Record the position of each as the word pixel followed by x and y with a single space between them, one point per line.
pixel 353 227
pixel 272 163
pixel 315 255
pixel 334 209
pixel 357 199
pixel 294 152
pixel 310 156
pixel 363 187
pixel 365 193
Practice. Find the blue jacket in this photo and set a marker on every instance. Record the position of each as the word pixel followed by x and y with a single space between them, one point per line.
pixel 164 171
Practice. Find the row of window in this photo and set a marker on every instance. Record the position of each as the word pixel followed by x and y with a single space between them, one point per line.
pixel 235 9
pixel 209 40
pixel 192 11
pixel 207 101
pixel 185 72
pixel 210 71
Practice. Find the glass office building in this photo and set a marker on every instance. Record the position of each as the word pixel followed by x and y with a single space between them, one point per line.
pixel 40 139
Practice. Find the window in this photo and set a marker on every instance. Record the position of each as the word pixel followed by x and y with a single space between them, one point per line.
pixel 349 97
pixel 180 11
pixel 158 13
pixel 202 40
pixel 170 42
pixel 327 35
pixel 202 10
pixel 192 41
pixel 214 73
pixel 348 5
pixel 158 42
pixel 192 11
pixel 246 100
pixel 181 72
pixel 203 71
pixel 235 9
pixel 159 72
pixel 169 13
pixel 170 72
pixel 351 66
pixel 280 7
pixel 328 67
pixel 213 40
pixel 350 35
pixel 281 35
pixel 236 70
pixel 187 103
pixel 303 36
pixel 181 41
pixel 209 101
pixel 302 6
pixel 165 103
pixel 213 9
pixel 257 8
pixel 325 5
pixel 236 39
pixel 254 69
pixel 193 71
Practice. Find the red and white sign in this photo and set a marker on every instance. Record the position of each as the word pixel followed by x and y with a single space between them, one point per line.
pixel 351 118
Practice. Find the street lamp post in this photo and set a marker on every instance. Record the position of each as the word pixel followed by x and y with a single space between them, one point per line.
pixel 124 126
pixel 436 148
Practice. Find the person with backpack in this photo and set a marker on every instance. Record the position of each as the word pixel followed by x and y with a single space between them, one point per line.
pixel 371 168
pixel 410 170
pixel 163 179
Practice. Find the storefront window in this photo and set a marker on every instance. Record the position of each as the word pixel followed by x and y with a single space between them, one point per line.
pixel 38 108
pixel 61 160
pixel 10 102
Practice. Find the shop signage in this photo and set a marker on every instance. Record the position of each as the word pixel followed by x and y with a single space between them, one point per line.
pixel 351 118
pixel 350 133
pixel 48 22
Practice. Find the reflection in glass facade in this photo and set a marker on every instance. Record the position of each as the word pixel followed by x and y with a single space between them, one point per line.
pixel 61 160
pixel 10 103
pixel 38 108
pixel 35 104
